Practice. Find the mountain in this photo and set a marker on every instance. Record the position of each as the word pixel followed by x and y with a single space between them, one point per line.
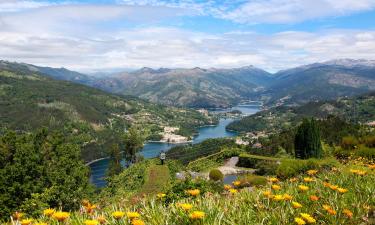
pixel 352 109
pixel 195 87
pixel 30 99
pixel 321 81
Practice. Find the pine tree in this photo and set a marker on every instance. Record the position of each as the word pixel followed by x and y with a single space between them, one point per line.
pixel 133 143
pixel 115 161
pixel 307 142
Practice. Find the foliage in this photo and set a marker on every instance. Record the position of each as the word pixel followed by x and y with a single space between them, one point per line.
pixel 307 141
pixel 115 166
pixel 216 175
pixel 349 142
pixel 40 169
pixel 133 141
pixel 252 180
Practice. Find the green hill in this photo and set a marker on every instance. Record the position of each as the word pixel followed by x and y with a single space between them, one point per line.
pixel 30 99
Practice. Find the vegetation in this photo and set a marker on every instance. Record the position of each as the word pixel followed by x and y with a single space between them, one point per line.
pixel 114 167
pixel 216 175
pixel 307 141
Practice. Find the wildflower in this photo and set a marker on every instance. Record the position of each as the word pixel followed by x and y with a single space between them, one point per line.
pixel 227 187
pixel 132 215
pixel 342 190
pixel 333 187
pixel 308 218
pixel 118 215
pixel 294 179
pixel 278 198
pixel 276 187
pixel 161 195
pixel 18 215
pixel 137 222
pixel 196 215
pixel 371 166
pixel 236 183
pixel 312 172
pixel 267 194
pixel 308 179
pixel 101 219
pixel 326 207
pixel 273 180
pixel 40 223
pixel 233 191
pixel 61 216
pixel 314 198
pixel 296 205
pixel 193 192
pixel 348 213
pixel 48 212
pixel 299 221
pixel 287 197
pixel 91 222
pixel 85 202
pixel 326 184
pixel 303 188
pixel 186 206
pixel 329 209
pixel 90 208
pixel 26 221
pixel 358 172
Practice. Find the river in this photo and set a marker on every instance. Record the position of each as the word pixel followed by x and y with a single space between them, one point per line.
pixel 151 150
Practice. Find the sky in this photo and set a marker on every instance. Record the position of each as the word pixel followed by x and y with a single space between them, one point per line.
pixel 103 36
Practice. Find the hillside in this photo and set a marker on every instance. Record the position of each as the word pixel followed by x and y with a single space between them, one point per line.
pixel 321 81
pixel 30 100
pixel 189 87
pixel 354 109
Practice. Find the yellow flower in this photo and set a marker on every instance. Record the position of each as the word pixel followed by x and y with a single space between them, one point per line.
pixel 227 187
pixel 48 212
pixel 371 166
pixel 118 215
pixel 358 172
pixel 233 191
pixel 278 198
pixel 308 218
pixel 186 206
pixel 329 209
pixel 326 184
pixel 18 215
pixel 61 216
pixel 333 187
pixel 236 183
pixel 299 221
pixel 137 222
pixel 193 192
pixel 303 188
pixel 326 207
pixel 40 223
pixel 91 222
pixel 342 190
pixel 312 172
pixel 26 221
pixel 287 197
pixel 296 205
pixel 308 179
pixel 132 215
pixel 161 195
pixel 267 194
pixel 101 219
pixel 197 215
pixel 276 187
pixel 348 213
pixel 89 207
pixel 273 180
pixel 314 198
pixel 294 179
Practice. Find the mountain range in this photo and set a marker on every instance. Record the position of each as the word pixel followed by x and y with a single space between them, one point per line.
pixel 213 87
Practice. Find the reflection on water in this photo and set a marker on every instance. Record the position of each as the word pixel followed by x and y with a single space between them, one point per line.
pixel 151 150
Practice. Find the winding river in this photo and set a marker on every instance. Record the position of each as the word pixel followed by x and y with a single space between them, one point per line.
pixel 151 150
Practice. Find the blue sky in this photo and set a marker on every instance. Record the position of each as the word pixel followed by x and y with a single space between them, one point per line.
pixel 99 35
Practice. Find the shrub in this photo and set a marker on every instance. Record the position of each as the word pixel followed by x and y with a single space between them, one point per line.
pixel 253 180
pixel 369 141
pixel 251 161
pixel 349 143
pixel 216 175
pixel 365 152
pixel 266 167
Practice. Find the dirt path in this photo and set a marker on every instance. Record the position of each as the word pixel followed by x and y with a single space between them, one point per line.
pixel 229 167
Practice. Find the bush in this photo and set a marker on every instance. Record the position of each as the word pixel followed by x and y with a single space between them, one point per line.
pixel 216 175
pixel 369 141
pixel 349 143
pixel 251 161
pixel 266 167
pixel 365 152
pixel 253 180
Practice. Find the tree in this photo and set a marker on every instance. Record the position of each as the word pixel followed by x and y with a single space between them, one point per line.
pixel 133 143
pixel 307 142
pixel 115 161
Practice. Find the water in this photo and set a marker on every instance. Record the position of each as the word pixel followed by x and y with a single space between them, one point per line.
pixel 151 150
pixel 228 179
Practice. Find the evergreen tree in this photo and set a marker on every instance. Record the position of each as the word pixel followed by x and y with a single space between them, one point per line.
pixel 115 161
pixel 133 143
pixel 307 142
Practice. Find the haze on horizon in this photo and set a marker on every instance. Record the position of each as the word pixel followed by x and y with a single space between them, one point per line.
pixel 92 36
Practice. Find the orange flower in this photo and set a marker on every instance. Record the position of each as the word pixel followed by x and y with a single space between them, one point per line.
pixel 18 215
pixel 227 187
pixel 372 166
pixel 236 183
pixel 193 192
pixel 101 219
pixel 348 213
pixel 314 198
pixel 329 209
pixel 90 208
pixel 287 197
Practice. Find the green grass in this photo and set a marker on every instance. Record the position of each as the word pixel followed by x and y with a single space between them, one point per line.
pixel 157 180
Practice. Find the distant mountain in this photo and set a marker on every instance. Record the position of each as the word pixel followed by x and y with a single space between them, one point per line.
pixel 195 87
pixel 30 100
pixel 321 81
